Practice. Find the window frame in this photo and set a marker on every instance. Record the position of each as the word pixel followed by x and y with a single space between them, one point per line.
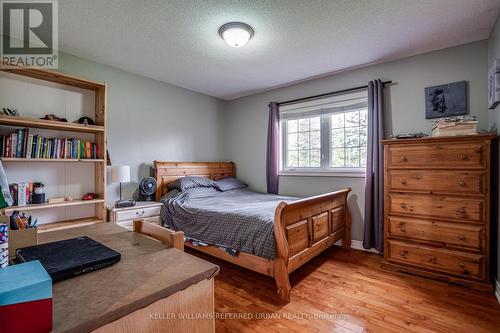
pixel 324 169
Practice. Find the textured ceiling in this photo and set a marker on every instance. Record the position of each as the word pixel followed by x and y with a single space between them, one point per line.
pixel 177 41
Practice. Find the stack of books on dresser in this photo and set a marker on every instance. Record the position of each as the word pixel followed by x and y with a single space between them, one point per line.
pixel 22 144
pixel 455 126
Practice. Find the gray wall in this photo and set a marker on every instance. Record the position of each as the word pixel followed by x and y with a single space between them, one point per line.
pixel 246 118
pixel 149 120
pixel 494 53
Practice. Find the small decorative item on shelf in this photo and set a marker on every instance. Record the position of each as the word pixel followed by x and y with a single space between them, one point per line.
pixel 38 193
pixel 54 118
pixel 409 136
pixel 90 196
pixel 85 121
pixel 455 126
pixel 56 200
pixel 10 112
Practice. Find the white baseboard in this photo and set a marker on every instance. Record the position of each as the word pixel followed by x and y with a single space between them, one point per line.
pixel 358 245
pixel 497 290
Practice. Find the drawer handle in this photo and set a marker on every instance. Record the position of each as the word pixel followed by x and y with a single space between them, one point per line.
pixel 403 159
pixel 461 183
pixel 402 226
pixel 461 237
pixel 462 265
pixel 461 211
pixel 403 205
pixel 403 182
pixel 403 254
pixel 463 157
pixel 433 260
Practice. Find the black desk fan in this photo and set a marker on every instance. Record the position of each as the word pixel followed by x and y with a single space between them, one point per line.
pixel 147 188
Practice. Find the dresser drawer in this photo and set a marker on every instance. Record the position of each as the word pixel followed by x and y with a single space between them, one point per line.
pixel 137 213
pixel 437 155
pixel 442 260
pixel 455 234
pixel 453 182
pixel 437 206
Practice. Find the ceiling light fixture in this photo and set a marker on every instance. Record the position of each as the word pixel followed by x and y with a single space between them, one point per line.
pixel 236 34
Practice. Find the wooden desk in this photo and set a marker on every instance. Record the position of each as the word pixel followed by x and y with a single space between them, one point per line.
pixel 145 292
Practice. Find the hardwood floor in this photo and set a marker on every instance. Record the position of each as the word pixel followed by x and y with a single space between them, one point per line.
pixel 353 295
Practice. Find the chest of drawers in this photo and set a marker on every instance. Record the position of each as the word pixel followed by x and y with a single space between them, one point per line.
pixel 437 208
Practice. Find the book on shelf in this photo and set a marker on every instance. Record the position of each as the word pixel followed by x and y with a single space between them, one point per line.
pixel 23 144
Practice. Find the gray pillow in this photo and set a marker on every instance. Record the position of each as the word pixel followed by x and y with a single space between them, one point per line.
pixel 190 182
pixel 230 183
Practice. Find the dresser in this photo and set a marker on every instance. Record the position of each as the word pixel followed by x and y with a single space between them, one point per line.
pixel 148 211
pixel 437 208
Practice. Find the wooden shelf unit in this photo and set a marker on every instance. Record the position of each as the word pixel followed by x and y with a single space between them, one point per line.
pixel 99 130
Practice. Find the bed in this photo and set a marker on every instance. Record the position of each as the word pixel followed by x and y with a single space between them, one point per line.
pixel 302 228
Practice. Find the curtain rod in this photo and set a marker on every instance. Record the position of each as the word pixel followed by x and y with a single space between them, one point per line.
pixel 328 94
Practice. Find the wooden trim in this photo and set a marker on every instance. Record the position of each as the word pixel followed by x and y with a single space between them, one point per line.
pixel 68 224
pixel 286 215
pixel 164 235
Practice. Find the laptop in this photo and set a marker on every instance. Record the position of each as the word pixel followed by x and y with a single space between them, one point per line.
pixel 70 257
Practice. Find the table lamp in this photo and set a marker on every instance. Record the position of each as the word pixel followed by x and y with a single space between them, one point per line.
pixel 121 174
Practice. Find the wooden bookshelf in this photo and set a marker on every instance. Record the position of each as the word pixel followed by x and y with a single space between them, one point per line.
pixel 70 160
pixel 75 202
pixel 98 130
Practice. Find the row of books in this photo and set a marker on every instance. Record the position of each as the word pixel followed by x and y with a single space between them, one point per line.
pixel 22 144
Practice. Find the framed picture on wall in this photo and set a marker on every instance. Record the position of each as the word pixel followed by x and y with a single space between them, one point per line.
pixel 446 100
pixel 494 85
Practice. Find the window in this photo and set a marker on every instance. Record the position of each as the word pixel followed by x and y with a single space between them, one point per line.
pixel 328 135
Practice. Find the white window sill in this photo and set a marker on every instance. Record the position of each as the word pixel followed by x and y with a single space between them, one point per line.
pixel 311 173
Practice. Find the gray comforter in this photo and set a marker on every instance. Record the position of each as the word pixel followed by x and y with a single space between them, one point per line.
pixel 239 219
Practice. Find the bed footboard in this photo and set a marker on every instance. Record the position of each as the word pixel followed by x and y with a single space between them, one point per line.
pixel 305 228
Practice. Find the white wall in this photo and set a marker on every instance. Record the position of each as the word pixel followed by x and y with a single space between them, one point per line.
pixel 246 118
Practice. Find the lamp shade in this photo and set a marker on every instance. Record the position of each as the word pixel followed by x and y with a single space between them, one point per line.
pixel 120 174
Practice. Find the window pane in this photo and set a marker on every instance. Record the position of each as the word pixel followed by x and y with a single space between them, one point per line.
pixel 352 119
pixel 293 159
pixel 352 157
pixel 337 156
pixel 303 140
pixel 362 156
pixel 315 158
pixel 303 158
pixel 338 138
pixel 363 117
pixel 316 140
pixel 363 135
pixel 292 142
pixel 292 126
pixel 352 137
pixel 315 123
pixel 337 120
pixel 303 125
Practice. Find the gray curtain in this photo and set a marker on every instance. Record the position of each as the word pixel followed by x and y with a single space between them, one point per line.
pixel 273 148
pixel 374 191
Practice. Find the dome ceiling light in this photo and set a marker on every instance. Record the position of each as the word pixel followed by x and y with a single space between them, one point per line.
pixel 236 34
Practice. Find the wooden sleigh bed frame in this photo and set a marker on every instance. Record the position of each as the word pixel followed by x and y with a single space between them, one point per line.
pixel 303 228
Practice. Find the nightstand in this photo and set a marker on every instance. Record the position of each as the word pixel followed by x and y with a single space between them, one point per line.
pixel 148 211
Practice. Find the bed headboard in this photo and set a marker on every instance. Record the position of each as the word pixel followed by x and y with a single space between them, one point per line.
pixel 167 172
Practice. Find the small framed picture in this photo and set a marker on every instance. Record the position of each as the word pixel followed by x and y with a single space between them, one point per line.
pixel 494 85
pixel 446 100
